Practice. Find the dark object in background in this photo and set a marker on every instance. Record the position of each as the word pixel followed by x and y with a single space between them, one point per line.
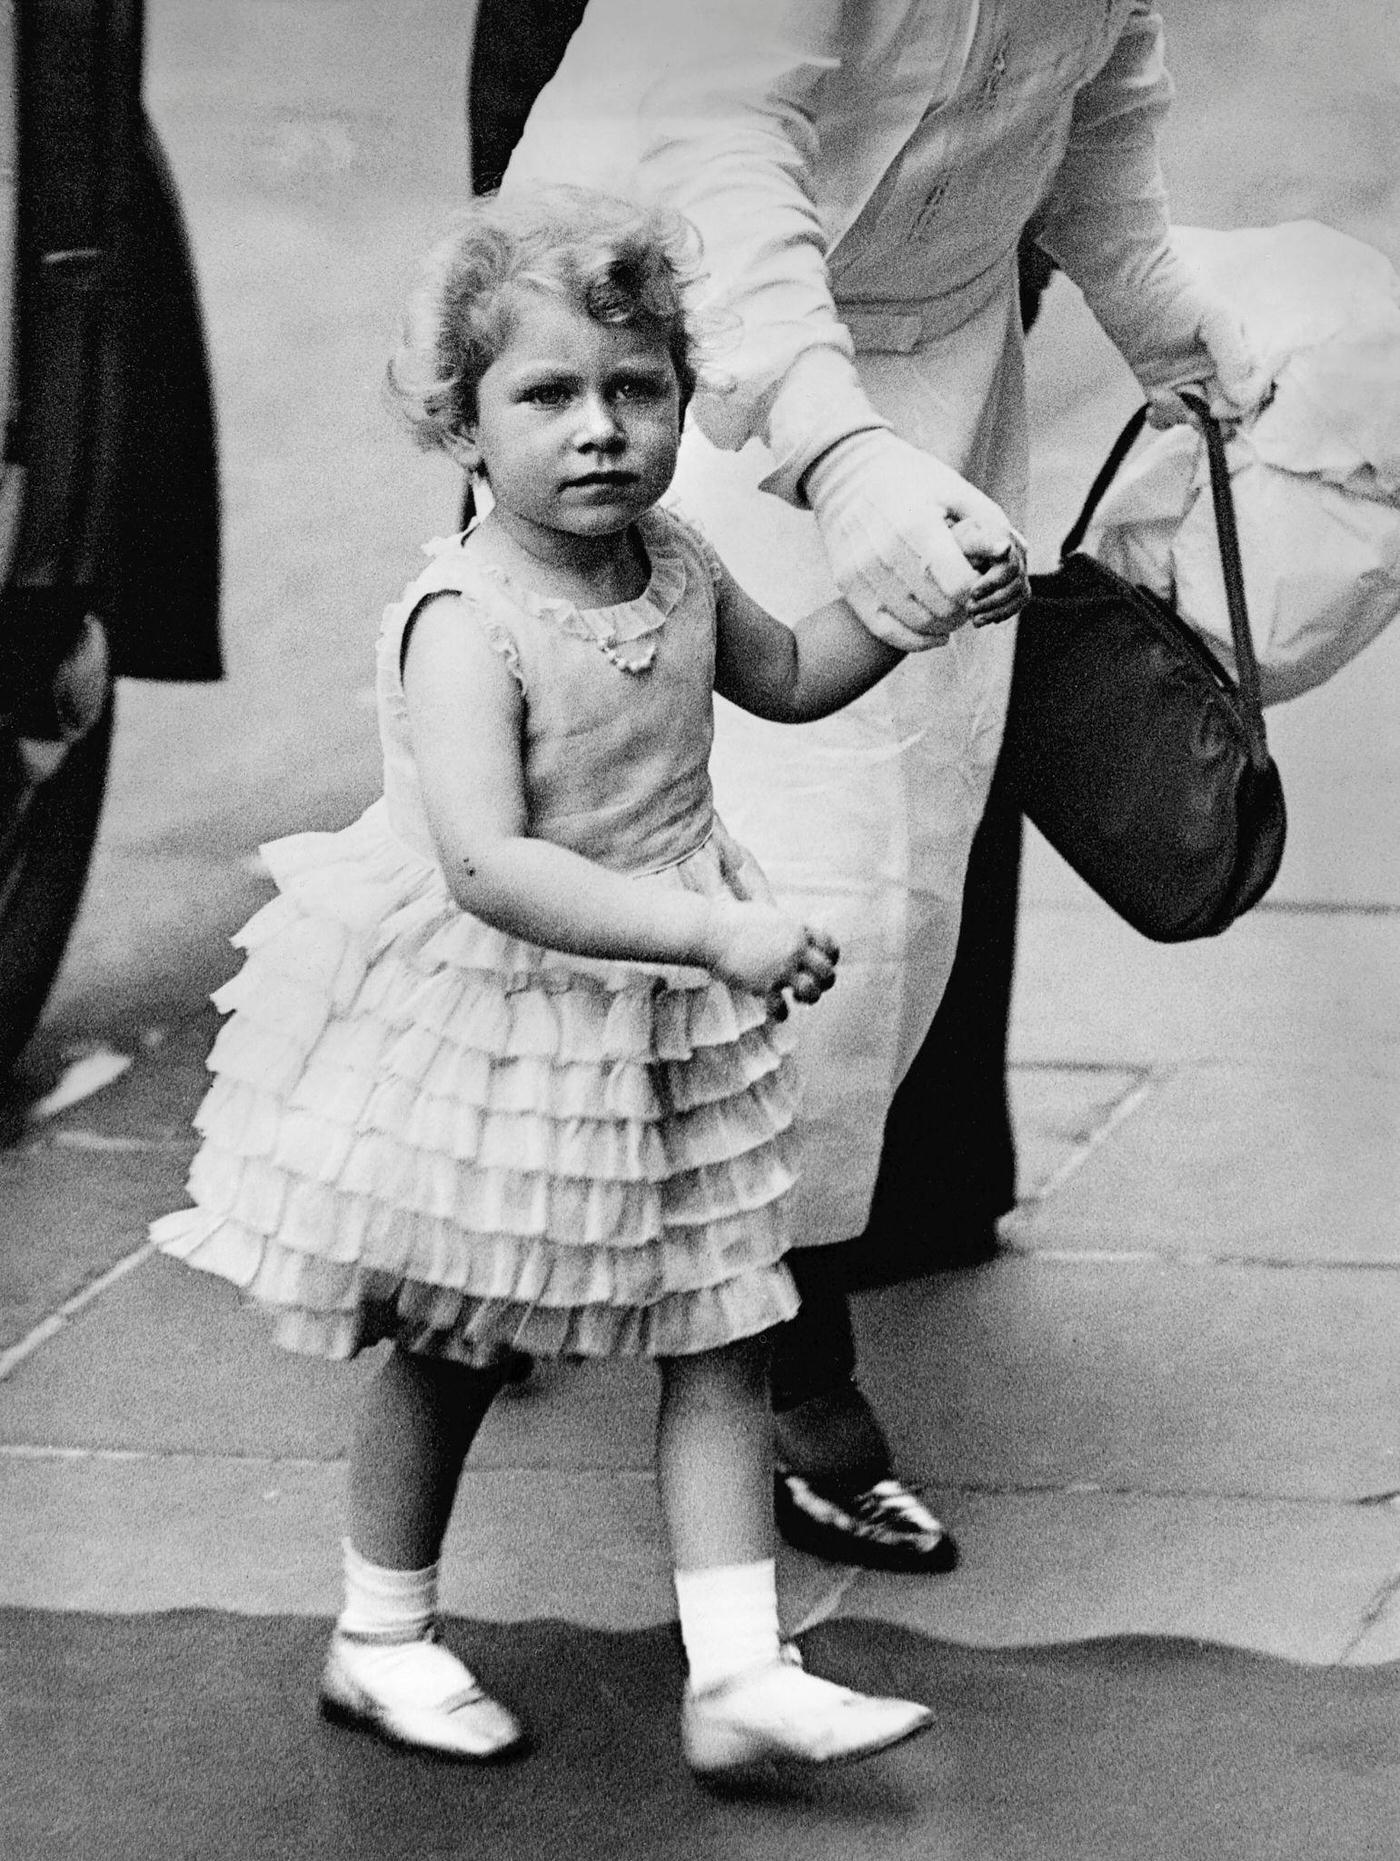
pixel 516 51
pixel 109 519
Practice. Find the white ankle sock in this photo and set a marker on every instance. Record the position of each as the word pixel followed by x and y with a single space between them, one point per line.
pixel 383 1604
pixel 729 1620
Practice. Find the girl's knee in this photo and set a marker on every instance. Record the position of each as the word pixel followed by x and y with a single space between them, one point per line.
pixel 445 1378
pixel 742 1364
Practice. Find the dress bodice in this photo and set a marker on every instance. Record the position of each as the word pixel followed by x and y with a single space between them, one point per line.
pixel 618 701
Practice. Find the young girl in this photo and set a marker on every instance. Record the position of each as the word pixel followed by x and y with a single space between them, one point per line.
pixel 506 1067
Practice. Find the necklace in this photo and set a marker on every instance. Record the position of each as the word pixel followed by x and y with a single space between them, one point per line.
pixel 644 650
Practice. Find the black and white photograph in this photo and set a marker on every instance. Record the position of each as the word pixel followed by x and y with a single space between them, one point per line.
pixel 699 930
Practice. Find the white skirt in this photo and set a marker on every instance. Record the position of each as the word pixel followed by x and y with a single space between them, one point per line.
pixel 863 821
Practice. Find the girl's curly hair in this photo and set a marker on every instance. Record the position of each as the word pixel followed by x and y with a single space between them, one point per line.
pixel 616 262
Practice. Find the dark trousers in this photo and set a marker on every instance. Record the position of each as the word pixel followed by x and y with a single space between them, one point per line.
pixel 948 1163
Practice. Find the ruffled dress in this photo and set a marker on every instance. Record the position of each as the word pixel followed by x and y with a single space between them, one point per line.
pixel 423 1128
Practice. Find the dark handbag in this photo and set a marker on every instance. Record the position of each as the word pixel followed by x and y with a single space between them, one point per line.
pixel 1133 751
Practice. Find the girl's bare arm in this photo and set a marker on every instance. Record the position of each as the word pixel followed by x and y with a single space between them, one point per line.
pixel 465 717
pixel 793 674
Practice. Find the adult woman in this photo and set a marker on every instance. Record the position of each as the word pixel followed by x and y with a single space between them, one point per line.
pixel 862 173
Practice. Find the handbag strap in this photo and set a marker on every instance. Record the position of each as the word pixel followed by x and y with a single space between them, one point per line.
pixel 1232 566
pixel 1108 471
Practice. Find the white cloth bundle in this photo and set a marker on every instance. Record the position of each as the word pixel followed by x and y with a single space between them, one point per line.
pixel 1315 474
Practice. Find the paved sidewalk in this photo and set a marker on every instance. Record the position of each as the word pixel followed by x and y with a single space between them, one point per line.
pixel 1170 1407
pixel 1166 1416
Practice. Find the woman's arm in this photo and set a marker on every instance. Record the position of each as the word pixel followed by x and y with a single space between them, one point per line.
pixel 1106 222
pixel 465 718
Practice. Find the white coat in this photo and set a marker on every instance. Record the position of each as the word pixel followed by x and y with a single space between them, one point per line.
pixel 860 172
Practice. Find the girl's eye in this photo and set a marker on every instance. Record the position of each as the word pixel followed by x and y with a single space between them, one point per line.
pixel 546 394
pixel 640 388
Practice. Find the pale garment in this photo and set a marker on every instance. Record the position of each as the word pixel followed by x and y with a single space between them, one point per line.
pixel 1314 473
pixel 423 1128
pixel 861 173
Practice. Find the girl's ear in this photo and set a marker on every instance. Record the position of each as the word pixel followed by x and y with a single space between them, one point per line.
pixel 463 448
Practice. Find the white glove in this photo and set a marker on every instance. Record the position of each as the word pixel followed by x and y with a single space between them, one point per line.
pixel 884 510
pixel 1233 377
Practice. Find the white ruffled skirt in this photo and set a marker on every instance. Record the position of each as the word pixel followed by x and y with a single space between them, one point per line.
pixel 424 1129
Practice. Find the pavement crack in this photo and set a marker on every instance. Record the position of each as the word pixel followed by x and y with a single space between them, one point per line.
pixel 103 1141
pixel 1184 1256
pixel 1145 1081
pixel 122 1456
pixel 1328 908
pixel 1372 1616
pixel 826 1605
pixel 51 1326
pixel 1107 1489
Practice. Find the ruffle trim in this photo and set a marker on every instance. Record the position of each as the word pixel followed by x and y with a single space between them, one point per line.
pixel 434 1139
pixel 402 1246
pixel 402 1091
pixel 609 626
pixel 367 881
pixel 370 1307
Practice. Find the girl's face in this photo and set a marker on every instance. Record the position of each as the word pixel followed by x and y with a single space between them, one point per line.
pixel 577 423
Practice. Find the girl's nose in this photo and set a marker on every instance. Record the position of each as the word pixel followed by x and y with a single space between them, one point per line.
pixel 599 424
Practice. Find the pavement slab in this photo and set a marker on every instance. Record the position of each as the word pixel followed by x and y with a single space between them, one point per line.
pixel 1283 1164
pixel 198 1373
pixel 54 1247
pixel 1060 1113
pixel 1292 987
pixel 129 1532
pixel 1141 1375
pixel 1302 1580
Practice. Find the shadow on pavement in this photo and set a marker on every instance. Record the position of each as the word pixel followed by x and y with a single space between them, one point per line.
pixel 195 1734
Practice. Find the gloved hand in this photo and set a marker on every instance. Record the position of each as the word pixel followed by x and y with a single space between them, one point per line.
pixel 884 510
pixel 1235 379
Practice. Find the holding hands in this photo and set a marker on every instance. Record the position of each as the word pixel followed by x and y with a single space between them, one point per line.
pixel 761 949
pixel 891 517
pixel 1003 587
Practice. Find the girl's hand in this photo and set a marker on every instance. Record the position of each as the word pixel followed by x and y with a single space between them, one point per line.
pixel 763 950
pixel 1003 587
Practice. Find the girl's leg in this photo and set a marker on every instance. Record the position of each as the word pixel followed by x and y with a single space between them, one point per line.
pixel 748 1699
pixel 386 1670
pixel 418 1421
pixel 714 1455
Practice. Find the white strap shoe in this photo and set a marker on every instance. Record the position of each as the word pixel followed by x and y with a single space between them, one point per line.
pixel 780 1712
pixel 415 1693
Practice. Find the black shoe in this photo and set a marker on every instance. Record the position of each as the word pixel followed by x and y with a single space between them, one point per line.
pixel 887 1256
pixel 971 1244
pixel 882 1527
